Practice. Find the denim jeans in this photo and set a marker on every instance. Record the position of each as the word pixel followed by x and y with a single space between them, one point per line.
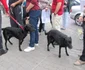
pixel 34 17
pixel 65 19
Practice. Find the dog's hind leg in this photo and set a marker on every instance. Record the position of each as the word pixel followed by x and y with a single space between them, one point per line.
pixel 53 44
pixel 59 52
pixel 10 42
pixel 66 51
pixel 48 40
pixel 20 42
pixel 9 39
pixel 48 46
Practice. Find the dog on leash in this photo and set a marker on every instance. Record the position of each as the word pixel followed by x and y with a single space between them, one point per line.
pixel 61 39
pixel 18 33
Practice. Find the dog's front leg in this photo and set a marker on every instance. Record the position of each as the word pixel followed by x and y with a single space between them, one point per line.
pixel 48 47
pixel 66 51
pixel 6 44
pixel 59 52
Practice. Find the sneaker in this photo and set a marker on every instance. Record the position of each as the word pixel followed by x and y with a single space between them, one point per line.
pixel 3 52
pixel 79 62
pixel 28 49
pixel 36 45
pixel 63 28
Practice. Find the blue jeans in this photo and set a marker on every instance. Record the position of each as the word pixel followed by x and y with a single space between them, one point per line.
pixel 34 17
pixel 1 44
pixel 65 19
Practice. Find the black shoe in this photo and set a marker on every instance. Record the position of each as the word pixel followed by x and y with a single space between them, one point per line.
pixel 2 52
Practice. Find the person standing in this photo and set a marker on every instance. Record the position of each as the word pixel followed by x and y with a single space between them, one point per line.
pixel 33 9
pixel 2 51
pixel 15 12
pixel 44 5
pixel 82 18
pixel 65 15
pixel 57 11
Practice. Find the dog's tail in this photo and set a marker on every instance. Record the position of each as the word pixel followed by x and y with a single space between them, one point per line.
pixel 46 33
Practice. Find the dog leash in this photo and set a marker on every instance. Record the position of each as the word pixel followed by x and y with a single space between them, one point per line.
pixel 16 20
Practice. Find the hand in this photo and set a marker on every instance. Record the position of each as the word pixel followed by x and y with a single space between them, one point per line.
pixel 54 13
pixel 80 19
pixel 27 10
pixel 13 5
pixel 46 9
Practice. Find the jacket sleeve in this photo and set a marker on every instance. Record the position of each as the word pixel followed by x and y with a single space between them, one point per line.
pixel 5 5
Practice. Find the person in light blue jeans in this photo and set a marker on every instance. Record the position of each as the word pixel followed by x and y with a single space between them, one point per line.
pixel 65 19
pixel 65 15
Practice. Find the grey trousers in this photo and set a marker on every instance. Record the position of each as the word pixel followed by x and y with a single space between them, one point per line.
pixel 1 45
pixel 16 13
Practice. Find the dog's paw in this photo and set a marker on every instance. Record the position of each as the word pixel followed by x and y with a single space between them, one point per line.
pixel 11 43
pixel 67 54
pixel 20 49
pixel 59 56
pixel 7 49
pixel 48 50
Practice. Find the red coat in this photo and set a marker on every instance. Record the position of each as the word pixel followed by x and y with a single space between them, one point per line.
pixel 5 5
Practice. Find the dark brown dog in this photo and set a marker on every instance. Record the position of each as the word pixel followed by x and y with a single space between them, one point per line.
pixel 18 33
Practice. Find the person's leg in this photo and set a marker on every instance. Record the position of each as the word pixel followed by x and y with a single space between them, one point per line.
pixel 18 14
pixel 34 22
pixel 2 51
pixel 12 13
pixel 41 25
pixel 56 21
pixel 33 35
pixel 0 32
pixel 82 57
pixel 65 20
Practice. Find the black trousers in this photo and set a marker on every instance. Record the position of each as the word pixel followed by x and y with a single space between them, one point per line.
pixel 16 13
pixel 82 57
pixel 1 45
pixel 41 26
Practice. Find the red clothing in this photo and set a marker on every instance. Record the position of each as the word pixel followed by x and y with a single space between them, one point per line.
pixel 34 2
pixel 60 12
pixel 5 5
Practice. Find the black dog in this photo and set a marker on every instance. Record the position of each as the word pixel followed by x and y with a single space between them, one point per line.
pixel 18 33
pixel 61 39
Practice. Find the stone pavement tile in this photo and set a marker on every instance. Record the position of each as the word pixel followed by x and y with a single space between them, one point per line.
pixel 2 68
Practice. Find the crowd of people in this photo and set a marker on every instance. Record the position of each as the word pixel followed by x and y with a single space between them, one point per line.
pixel 48 12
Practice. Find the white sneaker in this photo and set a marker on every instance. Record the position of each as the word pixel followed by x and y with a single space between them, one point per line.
pixel 28 49
pixel 36 45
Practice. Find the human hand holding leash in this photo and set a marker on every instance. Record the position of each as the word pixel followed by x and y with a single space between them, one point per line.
pixel 80 19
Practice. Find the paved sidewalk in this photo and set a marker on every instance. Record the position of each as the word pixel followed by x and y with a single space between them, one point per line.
pixel 40 58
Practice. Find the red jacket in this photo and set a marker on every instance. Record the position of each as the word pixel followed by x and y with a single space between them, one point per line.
pixel 5 5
